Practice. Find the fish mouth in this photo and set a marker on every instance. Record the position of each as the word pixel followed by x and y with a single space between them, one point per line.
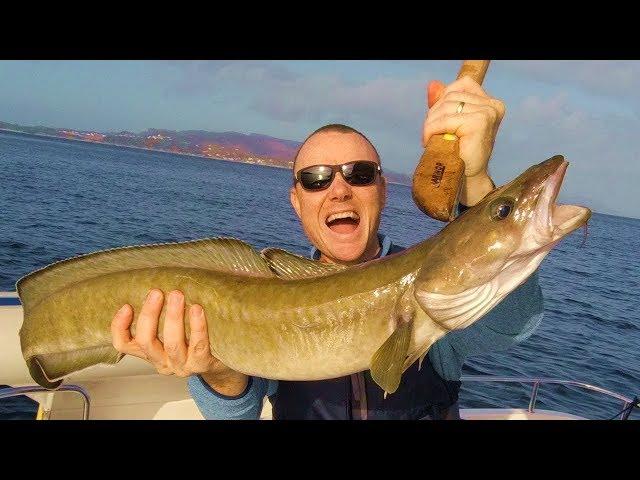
pixel 552 221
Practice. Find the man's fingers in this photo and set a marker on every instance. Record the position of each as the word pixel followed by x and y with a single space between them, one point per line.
pixel 199 356
pixel 451 108
pixel 173 335
pixel 473 117
pixel 147 328
pixel 465 84
pixel 454 123
pixel 469 99
pixel 120 334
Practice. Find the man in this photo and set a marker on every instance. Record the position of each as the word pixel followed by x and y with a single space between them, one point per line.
pixel 339 203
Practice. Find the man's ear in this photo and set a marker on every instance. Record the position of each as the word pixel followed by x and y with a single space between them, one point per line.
pixel 295 201
pixel 383 179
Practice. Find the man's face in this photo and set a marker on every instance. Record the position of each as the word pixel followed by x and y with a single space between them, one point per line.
pixel 343 239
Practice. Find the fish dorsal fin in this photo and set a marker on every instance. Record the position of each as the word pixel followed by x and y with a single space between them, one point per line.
pixel 289 266
pixel 222 254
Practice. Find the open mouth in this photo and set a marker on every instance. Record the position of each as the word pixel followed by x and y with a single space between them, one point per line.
pixel 343 222
pixel 556 220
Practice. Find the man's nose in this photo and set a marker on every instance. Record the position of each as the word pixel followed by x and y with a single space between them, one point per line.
pixel 340 190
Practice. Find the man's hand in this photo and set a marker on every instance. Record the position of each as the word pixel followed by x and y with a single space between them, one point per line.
pixel 476 126
pixel 175 356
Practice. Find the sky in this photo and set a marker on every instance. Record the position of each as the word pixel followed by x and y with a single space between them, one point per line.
pixel 584 110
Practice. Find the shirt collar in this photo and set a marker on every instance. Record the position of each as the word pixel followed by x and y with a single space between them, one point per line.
pixel 385 246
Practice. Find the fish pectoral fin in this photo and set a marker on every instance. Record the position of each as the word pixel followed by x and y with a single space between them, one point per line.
pixel 290 266
pixel 420 360
pixel 388 361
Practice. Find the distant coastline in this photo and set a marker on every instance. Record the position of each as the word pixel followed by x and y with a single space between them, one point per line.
pixel 146 149
pixel 133 147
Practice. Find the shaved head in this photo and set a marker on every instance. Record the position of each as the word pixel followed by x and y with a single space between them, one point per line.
pixel 338 128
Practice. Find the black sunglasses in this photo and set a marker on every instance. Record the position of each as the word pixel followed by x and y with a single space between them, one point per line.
pixel 319 177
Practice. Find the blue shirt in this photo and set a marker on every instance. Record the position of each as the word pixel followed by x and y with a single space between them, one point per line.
pixel 510 322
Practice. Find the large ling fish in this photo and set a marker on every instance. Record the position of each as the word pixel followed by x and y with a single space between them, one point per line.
pixel 276 315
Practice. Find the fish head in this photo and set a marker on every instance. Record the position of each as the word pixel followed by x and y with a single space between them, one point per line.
pixel 494 246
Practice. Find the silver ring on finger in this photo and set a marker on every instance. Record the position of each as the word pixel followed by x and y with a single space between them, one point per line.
pixel 460 107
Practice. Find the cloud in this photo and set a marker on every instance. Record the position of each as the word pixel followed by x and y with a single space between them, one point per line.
pixel 381 101
pixel 600 146
pixel 613 79
pixel 558 120
pixel 278 93
pixel 204 77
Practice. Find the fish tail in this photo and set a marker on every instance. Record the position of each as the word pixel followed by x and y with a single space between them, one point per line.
pixel 48 370
pixel 39 375
pixel 48 347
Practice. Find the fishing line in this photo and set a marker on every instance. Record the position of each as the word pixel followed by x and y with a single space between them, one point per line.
pixel 635 403
pixel 586 231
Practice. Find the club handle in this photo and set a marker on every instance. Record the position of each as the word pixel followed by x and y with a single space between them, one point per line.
pixel 476 69
pixel 437 180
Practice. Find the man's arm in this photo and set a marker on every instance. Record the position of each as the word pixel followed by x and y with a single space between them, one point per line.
pixel 511 321
pixel 246 406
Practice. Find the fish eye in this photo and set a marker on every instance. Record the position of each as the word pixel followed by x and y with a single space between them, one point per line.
pixel 501 208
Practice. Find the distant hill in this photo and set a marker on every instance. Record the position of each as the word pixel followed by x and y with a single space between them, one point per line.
pixel 233 146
